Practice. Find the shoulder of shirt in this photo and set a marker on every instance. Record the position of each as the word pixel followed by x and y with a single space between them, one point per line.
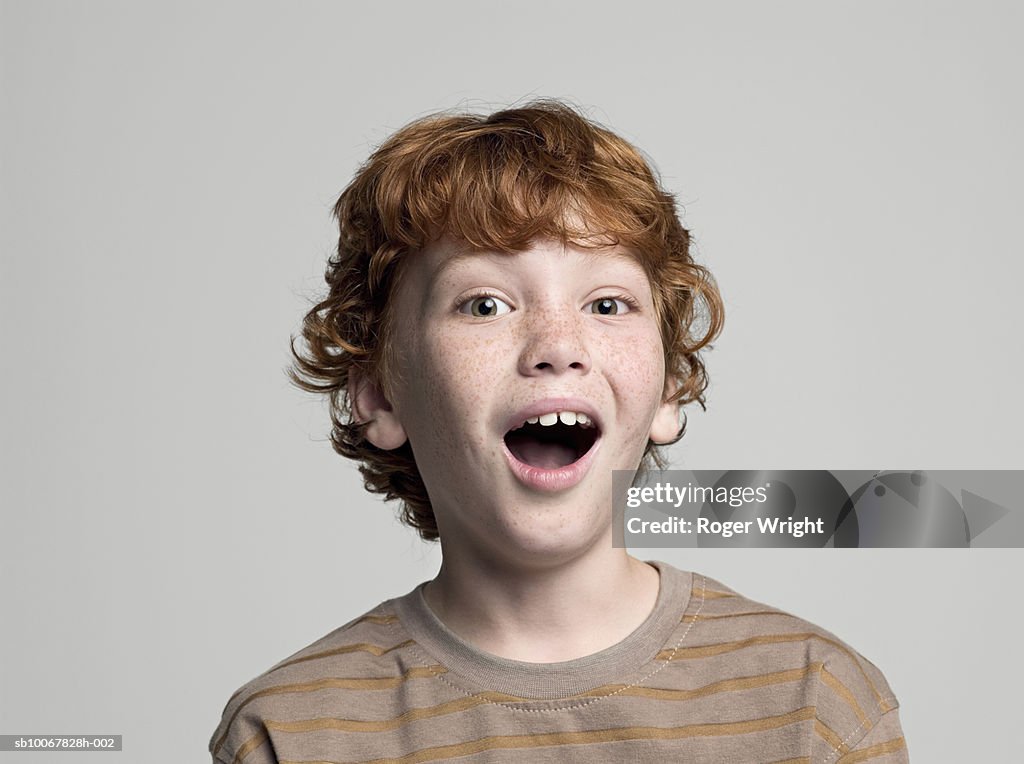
pixel 722 616
pixel 365 646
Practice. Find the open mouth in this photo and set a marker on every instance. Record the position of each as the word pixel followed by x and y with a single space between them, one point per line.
pixel 553 440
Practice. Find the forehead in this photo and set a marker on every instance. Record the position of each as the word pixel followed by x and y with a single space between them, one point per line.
pixel 448 257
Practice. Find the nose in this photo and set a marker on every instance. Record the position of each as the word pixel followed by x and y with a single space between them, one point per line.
pixel 554 344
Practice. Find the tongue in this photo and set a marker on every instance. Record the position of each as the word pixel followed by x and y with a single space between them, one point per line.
pixel 536 453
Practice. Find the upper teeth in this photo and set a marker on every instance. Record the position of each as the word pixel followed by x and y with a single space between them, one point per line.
pixel 565 417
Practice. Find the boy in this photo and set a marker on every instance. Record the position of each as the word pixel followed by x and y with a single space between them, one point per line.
pixel 511 317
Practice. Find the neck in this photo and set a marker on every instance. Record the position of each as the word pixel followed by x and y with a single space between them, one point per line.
pixel 544 615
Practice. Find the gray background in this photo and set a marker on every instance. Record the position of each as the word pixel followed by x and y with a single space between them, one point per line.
pixel 174 520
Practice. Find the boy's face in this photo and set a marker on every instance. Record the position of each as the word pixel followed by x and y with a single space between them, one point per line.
pixel 486 342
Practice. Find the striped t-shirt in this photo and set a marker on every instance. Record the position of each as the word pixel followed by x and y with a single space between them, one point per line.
pixel 710 676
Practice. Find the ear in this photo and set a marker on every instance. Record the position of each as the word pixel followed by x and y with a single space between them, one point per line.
pixel 665 426
pixel 370 407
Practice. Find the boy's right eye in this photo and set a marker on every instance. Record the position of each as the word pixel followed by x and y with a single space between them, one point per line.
pixel 484 306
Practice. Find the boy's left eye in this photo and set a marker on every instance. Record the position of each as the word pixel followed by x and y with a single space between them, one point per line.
pixel 609 306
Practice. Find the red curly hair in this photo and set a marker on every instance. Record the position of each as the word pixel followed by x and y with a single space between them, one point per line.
pixel 496 182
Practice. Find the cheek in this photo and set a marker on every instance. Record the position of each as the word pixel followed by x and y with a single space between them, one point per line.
pixel 636 364
pixel 457 372
pixel 637 378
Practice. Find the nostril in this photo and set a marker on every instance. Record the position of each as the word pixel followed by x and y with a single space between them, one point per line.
pixel 546 366
pixel 554 358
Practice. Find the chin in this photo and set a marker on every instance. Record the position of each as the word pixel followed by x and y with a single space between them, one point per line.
pixel 550 537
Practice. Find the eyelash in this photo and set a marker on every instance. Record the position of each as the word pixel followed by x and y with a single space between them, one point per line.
pixel 464 300
pixel 630 302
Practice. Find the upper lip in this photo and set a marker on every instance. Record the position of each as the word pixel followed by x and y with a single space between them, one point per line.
pixel 551 405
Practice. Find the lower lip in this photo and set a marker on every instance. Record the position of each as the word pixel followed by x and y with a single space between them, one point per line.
pixel 551 481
